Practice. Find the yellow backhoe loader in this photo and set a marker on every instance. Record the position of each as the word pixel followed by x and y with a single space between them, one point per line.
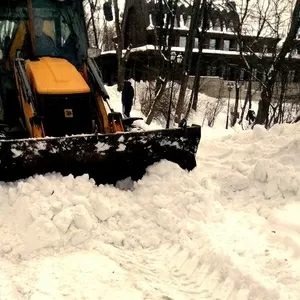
pixel 55 114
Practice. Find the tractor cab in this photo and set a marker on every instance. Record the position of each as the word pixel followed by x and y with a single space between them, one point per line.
pixel 44 28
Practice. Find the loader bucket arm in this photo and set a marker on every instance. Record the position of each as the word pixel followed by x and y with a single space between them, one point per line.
pixel 109 122
pixel 26 100
pixel 107 158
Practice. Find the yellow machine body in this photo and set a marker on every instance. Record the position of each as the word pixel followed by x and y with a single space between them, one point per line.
pixel 55 76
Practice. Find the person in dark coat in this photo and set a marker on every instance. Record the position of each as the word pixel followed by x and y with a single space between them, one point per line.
pixel 251 116
pixel 45 45
pixel 127 98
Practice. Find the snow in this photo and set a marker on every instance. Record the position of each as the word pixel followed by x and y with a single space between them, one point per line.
pixel 229 229
pixel 16 153
pixel 102 147
pixel 195 50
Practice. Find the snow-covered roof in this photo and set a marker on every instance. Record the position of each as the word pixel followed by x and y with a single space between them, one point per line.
pixel 205 51
pixel 275 13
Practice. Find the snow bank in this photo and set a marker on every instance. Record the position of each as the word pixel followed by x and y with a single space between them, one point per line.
pixel 54 211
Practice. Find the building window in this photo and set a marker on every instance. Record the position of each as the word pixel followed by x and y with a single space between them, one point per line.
pixel 226 45
pixel 291 76
pixel 182 41
pixel 211 71
pixel 242 74
pixel 223 72
pixel 181 21
pixel 165 19
pixel 188 21
pixel 228 73
pixel 196 43
pixel 151 20
pixel 217 25
pixel 176 23
pixel 212 44
pixel 230 27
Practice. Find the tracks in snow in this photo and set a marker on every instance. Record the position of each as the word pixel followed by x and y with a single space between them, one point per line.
pixel 172 269
pixel 255 260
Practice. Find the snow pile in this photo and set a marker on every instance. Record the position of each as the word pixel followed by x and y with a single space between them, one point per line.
pixel 226 230
pixel 55 211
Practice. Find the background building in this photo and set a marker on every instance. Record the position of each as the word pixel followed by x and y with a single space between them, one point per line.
pixel 221 58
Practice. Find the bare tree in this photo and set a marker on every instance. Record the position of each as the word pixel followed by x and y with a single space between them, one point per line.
pixel 100 32
pixel 187 58
pixel 165 39
pixel 122 59
pixel 93 6
pixel 147 98
pixel 278 61
pixel 204 11
pixel 252 18
pixel 92 10
pixel 264 19
pixel 214 108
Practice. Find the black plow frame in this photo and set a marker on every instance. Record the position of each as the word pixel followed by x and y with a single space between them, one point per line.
pixel 107 158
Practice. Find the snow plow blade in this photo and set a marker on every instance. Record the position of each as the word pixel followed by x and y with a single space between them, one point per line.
pixel 107 158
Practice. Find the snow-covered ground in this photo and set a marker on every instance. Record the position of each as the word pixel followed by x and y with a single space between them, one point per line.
pixel 230 229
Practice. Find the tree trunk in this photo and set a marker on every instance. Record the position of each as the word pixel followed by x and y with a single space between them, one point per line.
pixel 236 104
pixel 263 107
pixel 190 103
pixel 250 94
pixel 201 38
pixel 92 10
pixel 119 47
pixel 283 88
pixel 248 99
pixel 187 59
pixel 180 103
pixel 273 116
pixel 121 74
pixel 196 91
